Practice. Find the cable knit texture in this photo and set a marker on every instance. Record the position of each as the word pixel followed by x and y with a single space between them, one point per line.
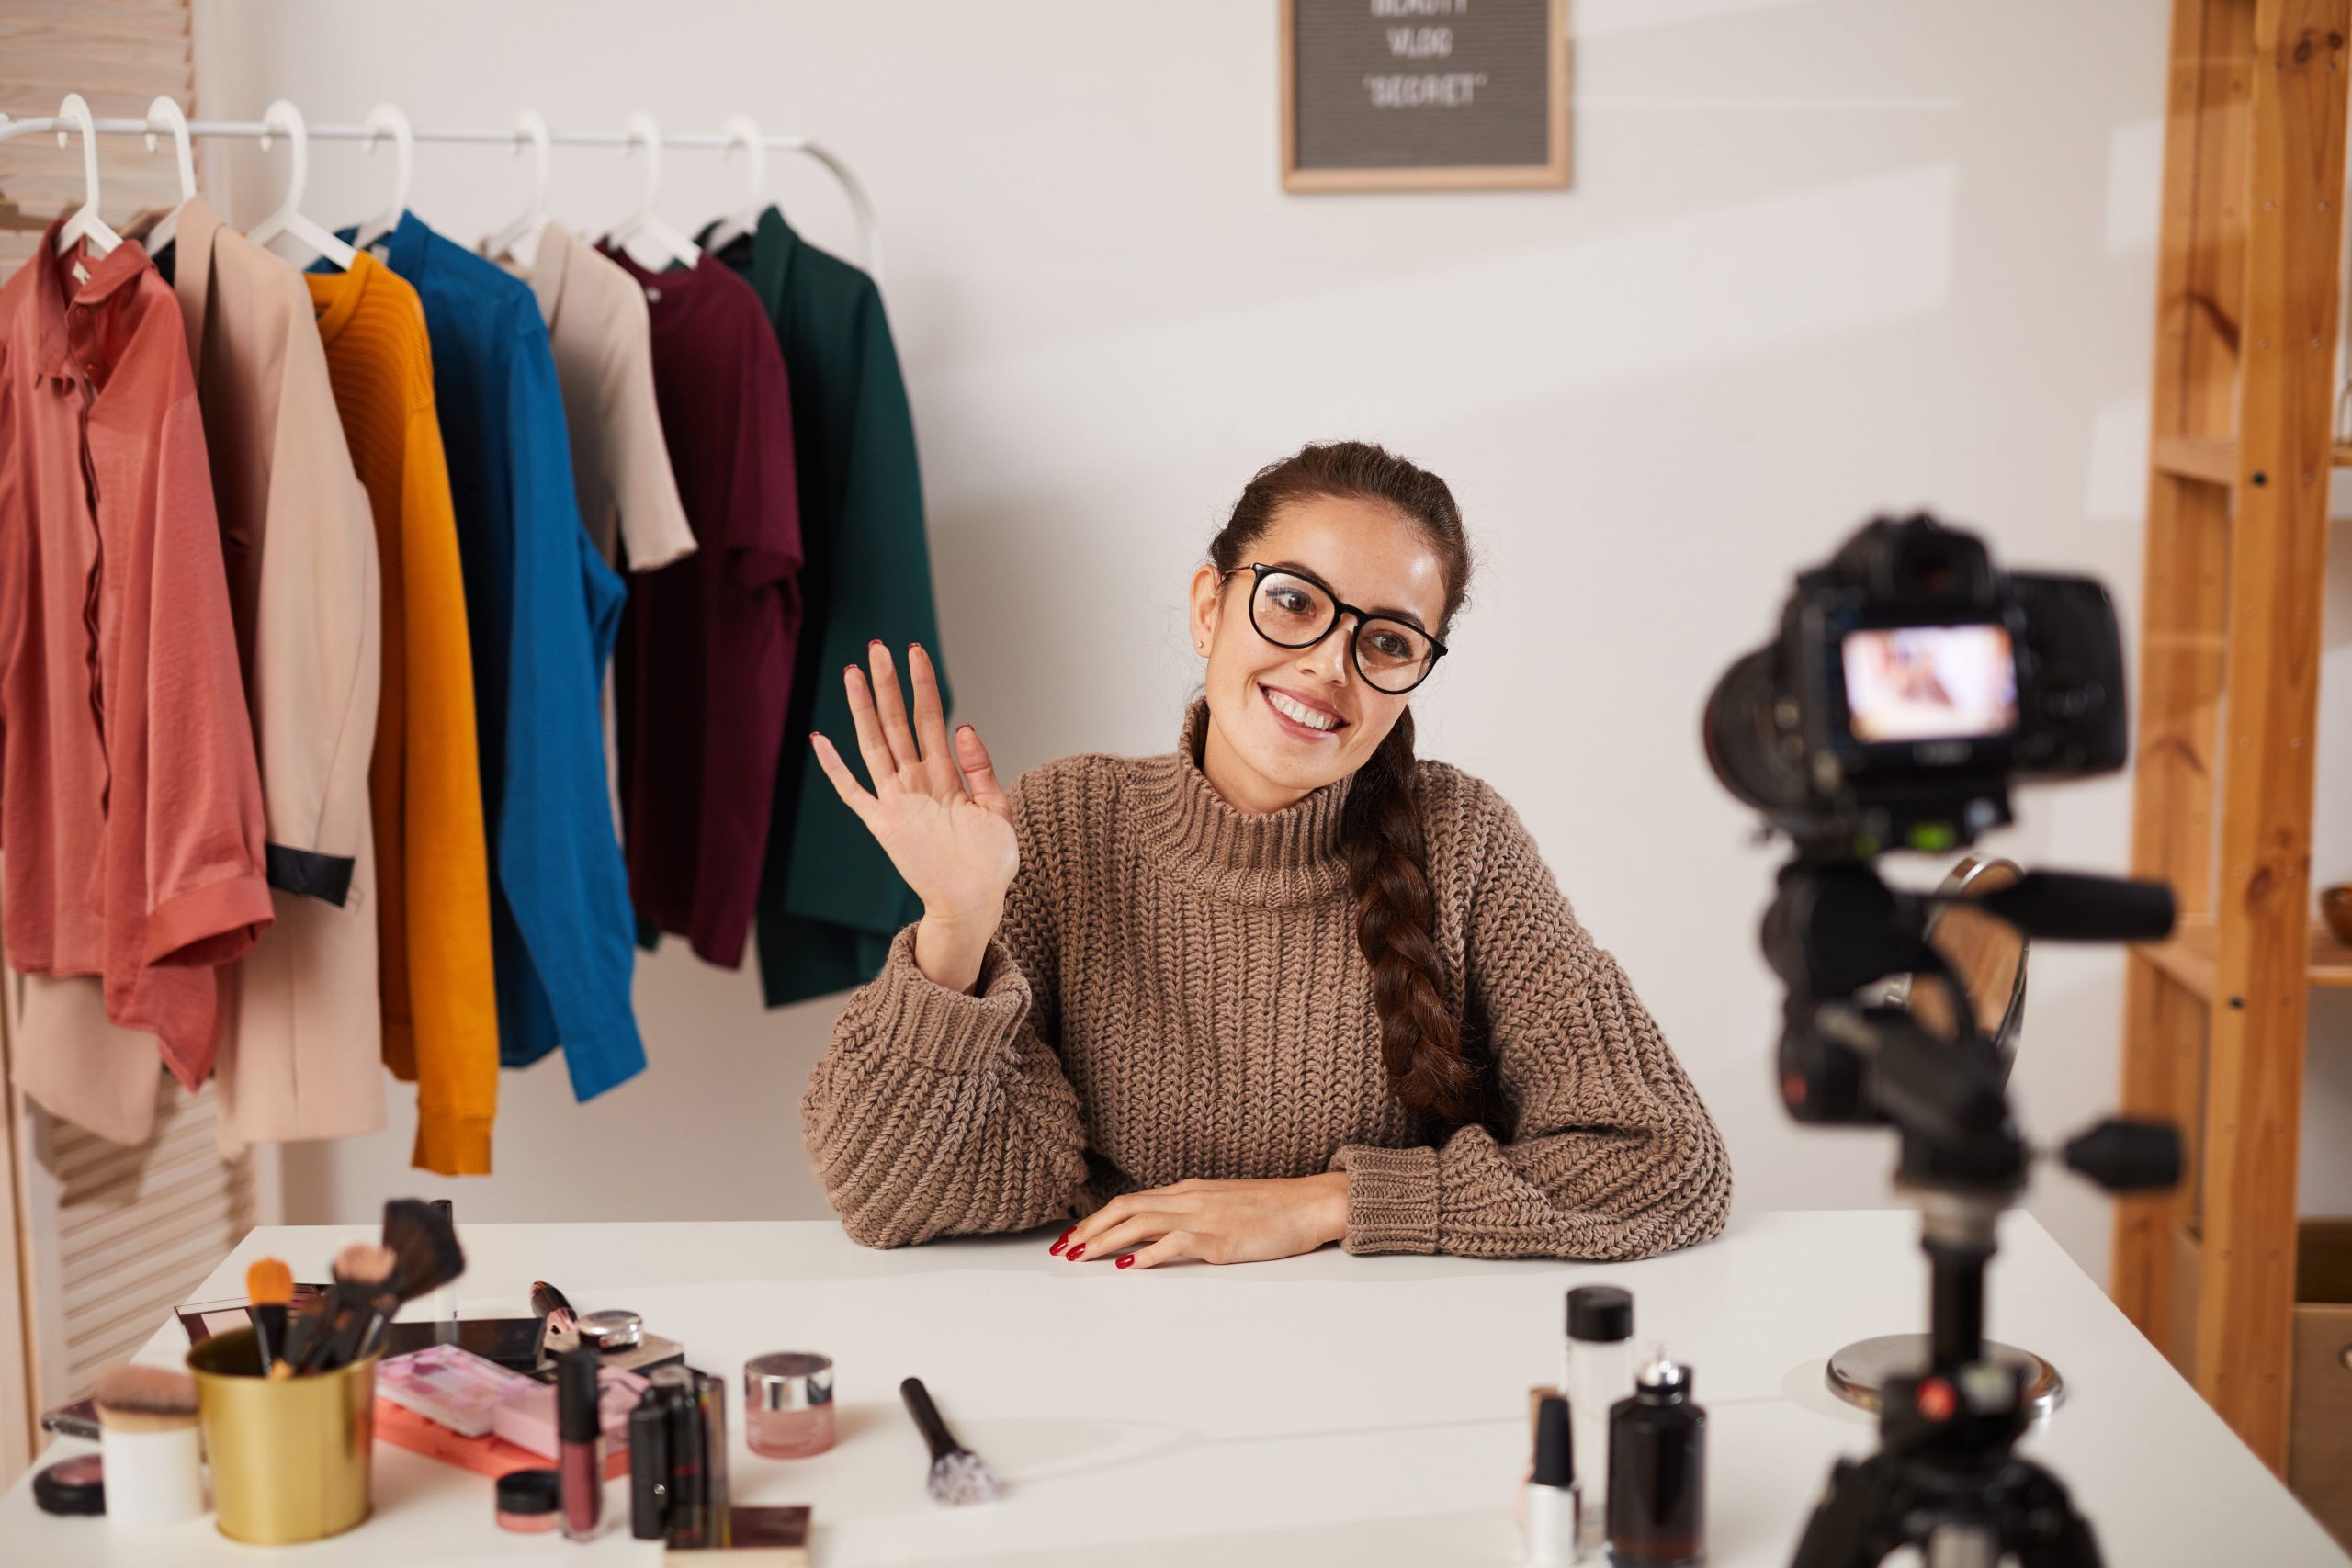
pixel 1175 990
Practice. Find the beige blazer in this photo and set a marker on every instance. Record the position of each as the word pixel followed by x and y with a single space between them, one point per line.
pixel 301 1029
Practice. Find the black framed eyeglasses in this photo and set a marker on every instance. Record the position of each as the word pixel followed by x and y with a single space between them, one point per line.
pixel 1291 609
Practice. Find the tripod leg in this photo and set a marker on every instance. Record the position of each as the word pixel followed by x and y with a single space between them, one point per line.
pixel 2040 1525
pixel 1847 1529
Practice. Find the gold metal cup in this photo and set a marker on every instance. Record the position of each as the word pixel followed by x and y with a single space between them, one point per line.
pixel 290 1456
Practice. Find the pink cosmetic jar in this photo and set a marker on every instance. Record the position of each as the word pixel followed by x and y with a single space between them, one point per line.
pixel 788 1403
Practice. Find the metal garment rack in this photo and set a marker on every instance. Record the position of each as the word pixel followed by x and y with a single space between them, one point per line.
pixel 861 207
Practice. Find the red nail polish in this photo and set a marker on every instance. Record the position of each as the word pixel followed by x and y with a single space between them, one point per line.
pixel 1130 1257
pixel 1062 1241
pixel 1077 1251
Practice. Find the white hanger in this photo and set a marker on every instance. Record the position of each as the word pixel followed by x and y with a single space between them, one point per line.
pixel 649 242
pixel 86 223
pixel 285 119
pixel 743 133
pixel 520 240
pixel 165 114
pixel 382 120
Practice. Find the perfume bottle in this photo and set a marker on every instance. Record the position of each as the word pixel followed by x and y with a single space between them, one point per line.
pixel 1658 1472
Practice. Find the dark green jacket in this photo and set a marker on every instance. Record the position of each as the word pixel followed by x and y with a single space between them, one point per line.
pixel 829 900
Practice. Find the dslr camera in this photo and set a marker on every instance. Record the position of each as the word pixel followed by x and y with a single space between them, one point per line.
pixel 1910 682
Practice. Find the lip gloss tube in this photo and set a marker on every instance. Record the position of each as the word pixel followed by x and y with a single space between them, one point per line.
pixel 577 1427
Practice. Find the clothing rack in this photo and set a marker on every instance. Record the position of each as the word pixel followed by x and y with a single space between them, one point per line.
pixel 637 134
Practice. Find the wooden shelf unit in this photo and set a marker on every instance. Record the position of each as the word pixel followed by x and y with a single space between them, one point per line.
pixel 2241 454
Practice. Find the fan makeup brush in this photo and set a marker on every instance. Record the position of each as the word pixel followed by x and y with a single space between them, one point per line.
pixel 269 1285
pixel 958 1476
pixel 361 1270
pixel 424 1243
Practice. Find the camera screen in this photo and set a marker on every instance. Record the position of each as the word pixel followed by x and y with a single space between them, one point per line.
pixel 1929 682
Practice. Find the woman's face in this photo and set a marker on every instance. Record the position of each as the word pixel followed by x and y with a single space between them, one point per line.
pixel 1366 553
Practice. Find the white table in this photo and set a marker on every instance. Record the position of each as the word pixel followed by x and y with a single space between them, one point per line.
pixel 1321 1409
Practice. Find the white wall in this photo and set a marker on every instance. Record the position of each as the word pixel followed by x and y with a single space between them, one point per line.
pixel 1821 257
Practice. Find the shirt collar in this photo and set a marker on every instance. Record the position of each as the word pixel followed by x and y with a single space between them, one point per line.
pixel 550 269
pixel 773 246
pixel 54 291
pixel 199 233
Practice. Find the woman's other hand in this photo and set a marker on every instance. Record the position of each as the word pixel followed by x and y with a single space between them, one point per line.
pixel 1216 1222
pixel 936 807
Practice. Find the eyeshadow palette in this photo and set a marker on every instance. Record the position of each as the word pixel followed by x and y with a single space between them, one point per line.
pixel 451 1385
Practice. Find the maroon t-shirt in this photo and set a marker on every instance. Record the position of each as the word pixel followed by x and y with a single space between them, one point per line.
pixel 704 665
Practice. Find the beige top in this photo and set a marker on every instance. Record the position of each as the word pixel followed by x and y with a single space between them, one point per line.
pixel 1176 991
pixel 301 1043
pixel 602 335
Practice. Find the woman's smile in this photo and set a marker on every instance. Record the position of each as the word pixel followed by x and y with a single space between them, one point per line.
pixel 1293 721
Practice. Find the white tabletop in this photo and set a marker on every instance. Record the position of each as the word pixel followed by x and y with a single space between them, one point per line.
pixel 1320 1409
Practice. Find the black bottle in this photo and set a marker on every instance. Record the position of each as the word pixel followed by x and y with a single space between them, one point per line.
pixel 1658 1472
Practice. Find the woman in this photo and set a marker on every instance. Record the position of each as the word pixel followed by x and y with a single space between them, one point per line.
pixel 1285 986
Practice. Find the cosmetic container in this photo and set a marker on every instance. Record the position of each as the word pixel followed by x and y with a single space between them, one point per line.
pixel 648 1467
pixel 1658 1472
pixel 577 1425
pixel 615 1328
pixel 1555 1506
pixel 1599 1373
pixel 788 1403
pixel 530 1502
pixel 685 1513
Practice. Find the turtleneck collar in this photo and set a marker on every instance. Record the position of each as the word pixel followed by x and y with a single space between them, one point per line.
pixel 1289 856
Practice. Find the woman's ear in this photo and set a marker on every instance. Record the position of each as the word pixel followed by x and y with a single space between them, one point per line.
pixel 1205 583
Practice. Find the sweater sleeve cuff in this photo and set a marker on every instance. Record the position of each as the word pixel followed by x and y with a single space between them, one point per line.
pixel 1392 1197
pixel 915 1016
pixel 450 1144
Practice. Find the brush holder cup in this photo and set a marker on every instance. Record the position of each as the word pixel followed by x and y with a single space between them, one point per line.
pixel 290 1456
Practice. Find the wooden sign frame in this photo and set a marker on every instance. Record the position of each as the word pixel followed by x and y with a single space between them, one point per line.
pixel 1551 174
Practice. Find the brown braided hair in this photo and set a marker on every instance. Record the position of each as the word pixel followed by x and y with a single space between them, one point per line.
pixel 1442 1084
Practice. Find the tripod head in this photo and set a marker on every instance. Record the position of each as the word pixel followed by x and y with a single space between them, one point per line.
pixel 1835 926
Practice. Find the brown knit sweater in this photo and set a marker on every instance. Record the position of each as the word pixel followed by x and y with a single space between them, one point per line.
pixel 1175 991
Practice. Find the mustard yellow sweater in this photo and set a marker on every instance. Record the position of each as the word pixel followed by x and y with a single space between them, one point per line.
pixel 1175 991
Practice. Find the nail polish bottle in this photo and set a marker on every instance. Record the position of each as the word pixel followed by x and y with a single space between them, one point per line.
pixel 1600 1372
pixel 1658 1472
pixel 1553 1504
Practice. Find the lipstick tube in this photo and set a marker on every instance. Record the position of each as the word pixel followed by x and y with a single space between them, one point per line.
pixel 577 1427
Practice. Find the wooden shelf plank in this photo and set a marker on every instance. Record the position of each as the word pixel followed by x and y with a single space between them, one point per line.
pixel 2213 460
pixel 2187 957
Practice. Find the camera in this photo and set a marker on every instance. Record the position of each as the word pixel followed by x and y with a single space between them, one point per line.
pixel 1910 682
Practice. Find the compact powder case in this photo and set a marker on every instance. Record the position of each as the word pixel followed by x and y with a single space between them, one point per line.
pixel 615 1328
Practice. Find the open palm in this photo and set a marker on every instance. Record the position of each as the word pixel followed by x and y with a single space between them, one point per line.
pixel 936 807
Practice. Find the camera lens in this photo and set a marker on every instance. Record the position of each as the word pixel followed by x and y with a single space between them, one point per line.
pixel 1743 740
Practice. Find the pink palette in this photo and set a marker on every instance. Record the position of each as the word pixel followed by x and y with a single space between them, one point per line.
pixel 457 1387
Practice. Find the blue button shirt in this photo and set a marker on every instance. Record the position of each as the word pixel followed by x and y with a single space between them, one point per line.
pixel 541 610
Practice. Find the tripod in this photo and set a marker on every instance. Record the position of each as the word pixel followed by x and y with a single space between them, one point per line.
pixel 1945 1478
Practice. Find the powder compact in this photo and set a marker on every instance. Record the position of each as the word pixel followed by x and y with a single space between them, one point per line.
pixel 615 1328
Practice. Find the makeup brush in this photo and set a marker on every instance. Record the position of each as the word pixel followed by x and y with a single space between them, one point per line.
pixel 361 1270
pixel 423 1240
pixel 958 1476
pixel 149 1445
pixel 144 1399
pixel 269 1285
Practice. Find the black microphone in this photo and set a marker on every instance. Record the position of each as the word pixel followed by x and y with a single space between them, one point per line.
pixel 2060 906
